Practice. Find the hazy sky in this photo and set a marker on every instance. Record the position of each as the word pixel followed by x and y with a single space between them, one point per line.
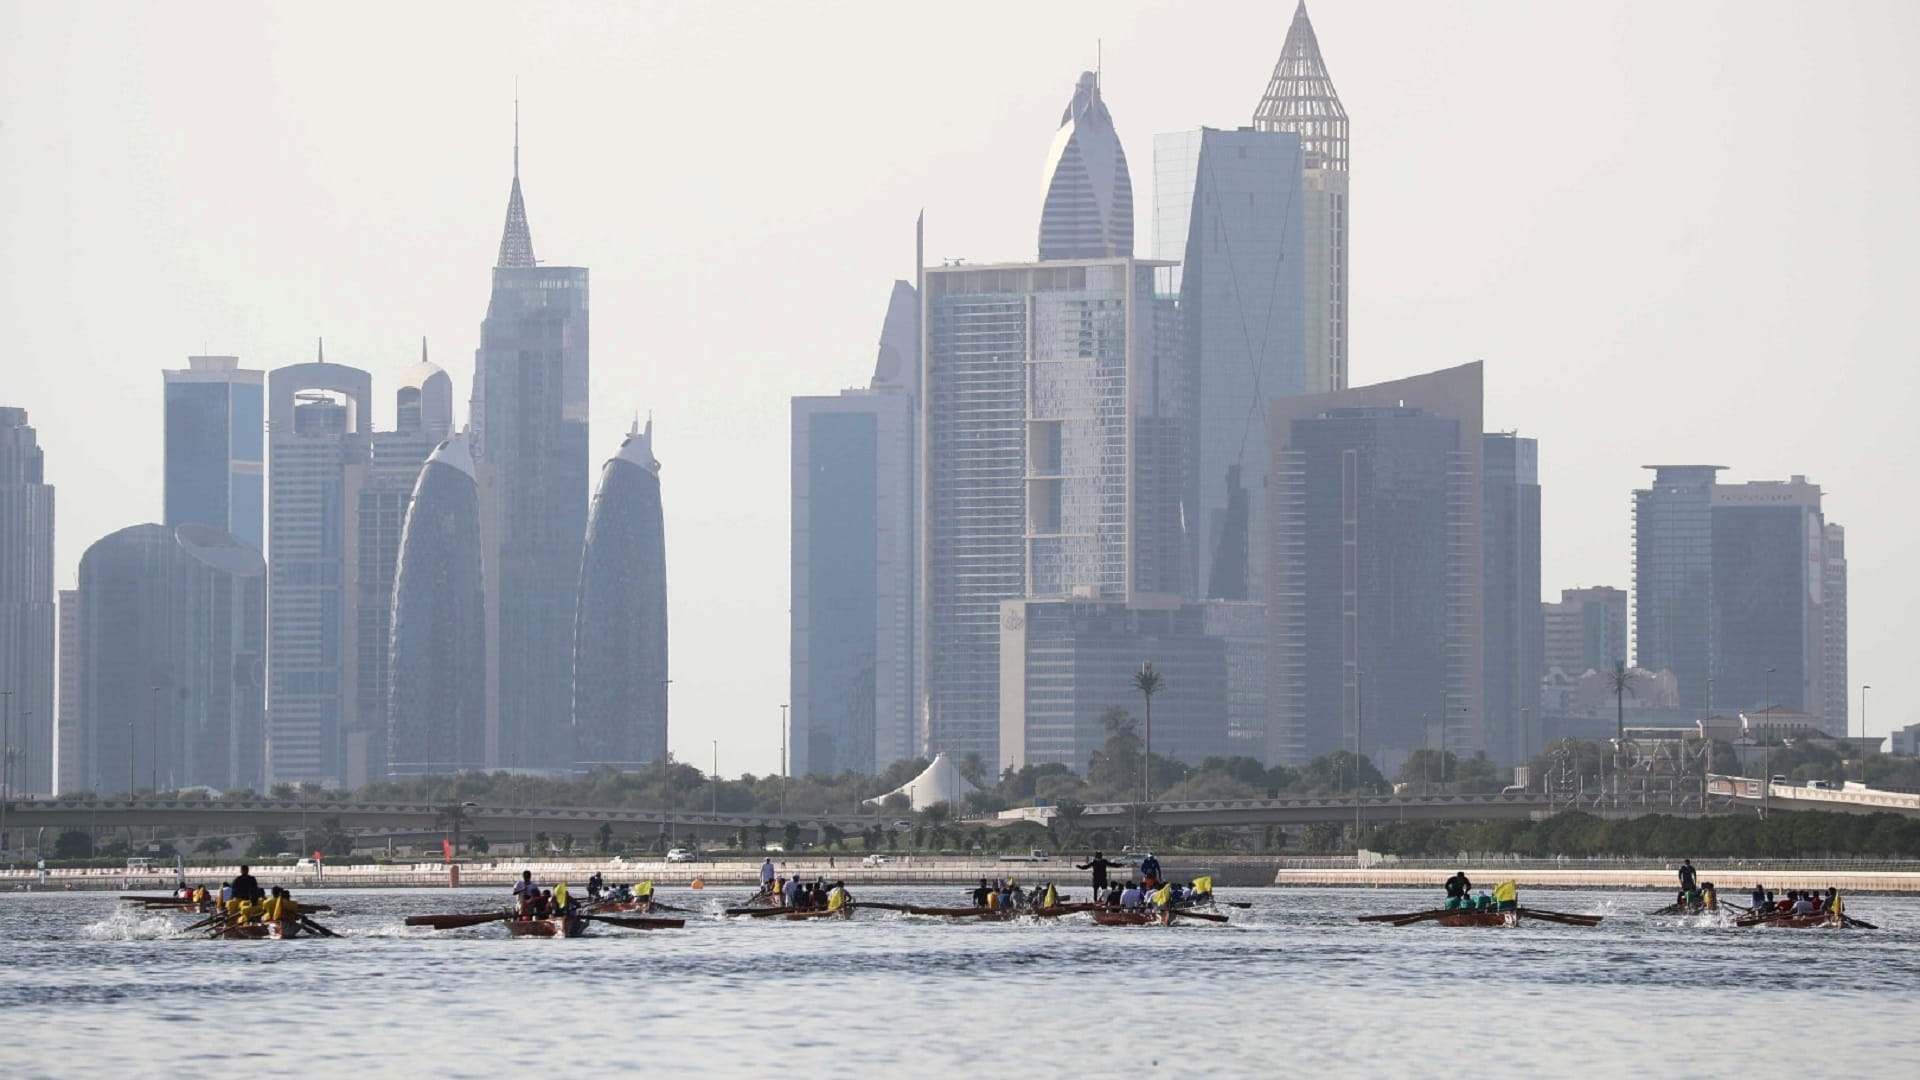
pixel 1674 232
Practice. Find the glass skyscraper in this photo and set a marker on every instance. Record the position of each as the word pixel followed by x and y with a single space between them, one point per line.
pixel 1769 591
pixel 26 604
pixel 1227 207
pixel 216 446
pixel 1515 632
pixel 1673 577
pixel 437 707
pixel 620 628
pixel 1088 212
pixel 529 437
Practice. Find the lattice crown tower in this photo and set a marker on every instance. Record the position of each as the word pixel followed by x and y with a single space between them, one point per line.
pixel 1300 98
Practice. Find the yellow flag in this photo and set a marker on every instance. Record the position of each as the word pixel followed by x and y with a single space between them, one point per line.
pixel 835 901
pixel 560 894
pixel 1203 884
pixel 1506 892
pixel 1051 899
pixel 1163 896
pixel 643 890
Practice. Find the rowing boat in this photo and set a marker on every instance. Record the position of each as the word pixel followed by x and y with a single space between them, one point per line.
pixel 845 911
pixel 1796 922
pixel 1130 918
pixel 262 931
pixel 556 927
pixel 1479 918
pixel 1483 917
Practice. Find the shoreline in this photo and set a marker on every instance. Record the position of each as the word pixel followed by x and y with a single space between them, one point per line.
pixel 1733 883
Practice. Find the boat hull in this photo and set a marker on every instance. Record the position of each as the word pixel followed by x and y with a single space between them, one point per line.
pixel 843 913
pixel 1799 922
pixel 1128 918
pixel 550 928
pixel 268 931
pixel 1479 918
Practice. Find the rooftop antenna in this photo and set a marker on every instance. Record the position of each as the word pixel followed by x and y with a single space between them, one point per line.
pixel 423 348
pixel 516 127
pixel 1099 62
pixel 320 350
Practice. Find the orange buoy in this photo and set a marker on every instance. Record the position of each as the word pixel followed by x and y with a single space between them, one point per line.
pixel 698 884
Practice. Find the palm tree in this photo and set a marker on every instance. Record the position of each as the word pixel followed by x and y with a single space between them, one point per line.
pixel 1620 681
pixel 1147 681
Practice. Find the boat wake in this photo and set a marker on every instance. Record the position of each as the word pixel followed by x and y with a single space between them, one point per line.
pixel 126 925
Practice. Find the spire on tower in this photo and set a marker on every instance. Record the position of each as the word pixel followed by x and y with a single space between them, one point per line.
pixel 516 240
pixel 1300 98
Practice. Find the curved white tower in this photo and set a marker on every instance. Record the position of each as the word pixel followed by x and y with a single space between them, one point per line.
pixel 1088 213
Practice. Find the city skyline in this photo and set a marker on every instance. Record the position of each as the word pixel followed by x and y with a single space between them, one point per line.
pixel 1573 360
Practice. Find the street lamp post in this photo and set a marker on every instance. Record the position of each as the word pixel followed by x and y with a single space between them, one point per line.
pixel 1863 733
pixel 153 752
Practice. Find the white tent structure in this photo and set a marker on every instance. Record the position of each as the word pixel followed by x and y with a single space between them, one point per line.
pixel 939 782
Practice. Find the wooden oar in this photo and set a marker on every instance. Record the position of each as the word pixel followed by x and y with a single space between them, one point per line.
pixel 880 906
pixel 1861 923
pixel 1560 917
pixel 1188 913
pixel 658 906
pixel 1402 915
pixel 218 916
pixel 758 912
pixel 638 923
pixel 316 927
pixel 1670 909
pixel 455 922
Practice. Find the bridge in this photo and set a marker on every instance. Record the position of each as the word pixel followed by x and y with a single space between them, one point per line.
pixel 1369 809
pixel 1851 798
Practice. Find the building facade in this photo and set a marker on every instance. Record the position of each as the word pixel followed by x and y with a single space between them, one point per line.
pixel 1300 99
pixel 320 436
pixel 1051 464
pixel 1374 607
pixel 67 771
pixel 1227 208
pixel 854 563
pixel 1834 694
pixel 1768 615
pixel 1586 630
pixel 1673 577
pixel 620 671
pixel 436 712
pixel 1064 662
pixel 529 438
pixel 1512 628
pixel 215 447
pixel 27 615
pixel 1088 207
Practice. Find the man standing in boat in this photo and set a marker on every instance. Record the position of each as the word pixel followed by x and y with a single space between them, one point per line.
pixel 1099 865
pixel 246 887
pixel 1688 878
pixel 766 876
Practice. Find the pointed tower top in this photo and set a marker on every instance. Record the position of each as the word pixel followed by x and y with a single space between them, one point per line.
pixel 423 348
pixel 1300 98
pixel 516 240
pixel 637 447
pixel 320 350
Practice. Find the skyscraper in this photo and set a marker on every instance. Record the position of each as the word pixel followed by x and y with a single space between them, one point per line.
pixel 169 644
pixel 437 708
pixel 67 772
pixel 1088 207
pixel 1673 578
pixel 423 417
pixel 1375 599
pixel 529 439
pixel 1514 634
pixel 1051 463
pixel 1300 98
pixel 1586 630
pixel 1833 610
pixel 620 629
pixel 1769 579
pixel 1227 206
pixel 854 562
pixel 320 427
pixel 215 446
pixel 26 604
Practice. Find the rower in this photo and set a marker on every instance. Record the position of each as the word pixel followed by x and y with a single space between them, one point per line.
pixel 594 885
pixel 1458 886
pixel 1506 896
pixel 1835 907
pixel 643 894
pixel 525 892
pixel 1759 897
pixel 980 894
pixel 839 897
pixel 1805 905
pixel 1131 897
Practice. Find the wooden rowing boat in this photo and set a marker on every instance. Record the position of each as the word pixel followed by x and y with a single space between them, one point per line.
pixel 1479 918
pixel 1483 917
pixel 555 927
pixel 1819 920
pixel 1130 918
pixel 262 931
pixel 845 912
pixel 614 907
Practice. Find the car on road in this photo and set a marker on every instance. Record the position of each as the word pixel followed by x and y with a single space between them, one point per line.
pixel 903 824
pixel 1032 855
pixel 776 848
pixel 876 860
pixel 680 854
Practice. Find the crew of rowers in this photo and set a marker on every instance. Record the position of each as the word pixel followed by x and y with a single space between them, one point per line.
pixel 1005 894
pixel 1157 895
pixel 797 895
pixel 1798 903
pixel 243 901
pixel 1461 897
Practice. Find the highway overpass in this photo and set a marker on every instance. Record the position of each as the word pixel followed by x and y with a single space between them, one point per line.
pixel 1853 798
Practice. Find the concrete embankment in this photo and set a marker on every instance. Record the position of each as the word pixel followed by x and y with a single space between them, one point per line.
pixel 902 870
pixel 1733 882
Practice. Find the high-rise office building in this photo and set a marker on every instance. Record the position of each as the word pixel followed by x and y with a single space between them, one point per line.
pixel 620 669
pixel 1051 463
pixel 1769 578
pixel 1586 630
pixel 1374 608
pixel 1064 662
pixel 529 439
pixel 437 705
pixel 1513 631
pixel 169 650
pixel 1088 212
pixel 1833 611
pixel 1300 99
pixel 1673 578
pixel 1227 207
pixel 67 773
pixel 26 605
pixel 423 418
pixel 320 433
pixel 854 562
pixel 215 446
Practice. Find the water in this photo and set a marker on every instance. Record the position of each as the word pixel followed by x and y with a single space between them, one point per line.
pixel 87 988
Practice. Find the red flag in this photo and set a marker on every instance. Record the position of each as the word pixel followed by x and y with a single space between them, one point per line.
pixel 446 850
pixel 316 856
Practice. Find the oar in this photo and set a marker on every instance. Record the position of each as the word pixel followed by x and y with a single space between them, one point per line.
pixel 455 922
pixel 218 916
pixel 637 923
pixel 1187 913
pixel 1561 917
pixel 877 904
pixel 316 927
pixel 1670 909
pixel 1402 915
pixel 758 912
pixel 1860 923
